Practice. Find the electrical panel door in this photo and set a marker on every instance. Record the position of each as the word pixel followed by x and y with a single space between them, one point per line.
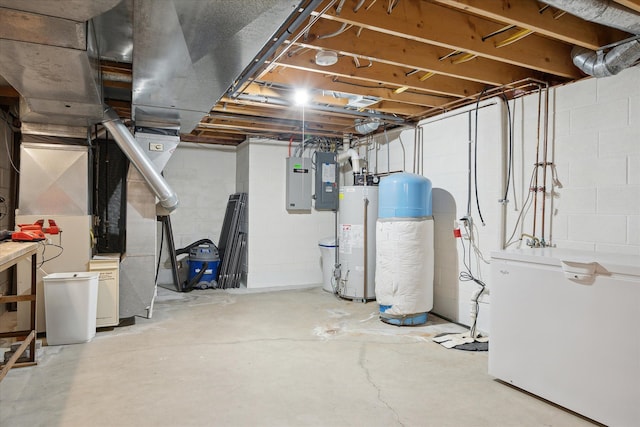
pixel 327 173
pixel 298 184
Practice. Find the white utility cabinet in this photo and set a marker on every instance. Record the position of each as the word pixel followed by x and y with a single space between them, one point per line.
pixel 108 265
pixel 564 327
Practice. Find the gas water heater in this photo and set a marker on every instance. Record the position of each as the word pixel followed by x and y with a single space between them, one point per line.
pixel 358 211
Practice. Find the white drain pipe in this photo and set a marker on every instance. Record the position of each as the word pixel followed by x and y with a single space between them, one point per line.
pixel 355 159
pixel 168 199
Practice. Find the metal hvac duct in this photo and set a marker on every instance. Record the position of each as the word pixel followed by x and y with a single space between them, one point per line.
pixel 600 65
pixel 127 143
pixel 604 12
pixel 48 53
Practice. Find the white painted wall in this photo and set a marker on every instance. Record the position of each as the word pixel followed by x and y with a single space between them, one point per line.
pixel 283 246
pixel 597 150
pixel 445 162
pixel 594 142
pixel 203 176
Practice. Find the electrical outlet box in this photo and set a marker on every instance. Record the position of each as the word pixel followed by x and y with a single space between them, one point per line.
pixel 298 184
pixel 327 173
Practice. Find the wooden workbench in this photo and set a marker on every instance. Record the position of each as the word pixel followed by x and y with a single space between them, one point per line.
pixel 10 254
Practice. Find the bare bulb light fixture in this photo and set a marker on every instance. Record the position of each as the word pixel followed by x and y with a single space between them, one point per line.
pixel 301 97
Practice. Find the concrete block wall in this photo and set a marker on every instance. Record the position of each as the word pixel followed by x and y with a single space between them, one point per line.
pixel 283 246
pixel 594 143
pixel 242 186
pixel 445 145
pixel 203 176
pixel 597 151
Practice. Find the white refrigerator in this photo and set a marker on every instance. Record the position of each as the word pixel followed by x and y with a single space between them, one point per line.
pixel 564 327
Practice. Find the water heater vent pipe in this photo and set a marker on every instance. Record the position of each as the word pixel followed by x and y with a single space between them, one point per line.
pixel 354 156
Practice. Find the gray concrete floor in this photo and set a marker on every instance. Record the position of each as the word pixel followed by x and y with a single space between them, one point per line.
pixel 289 358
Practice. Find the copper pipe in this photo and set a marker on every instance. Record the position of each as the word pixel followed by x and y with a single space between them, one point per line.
pixel 546 163
pixel 536 165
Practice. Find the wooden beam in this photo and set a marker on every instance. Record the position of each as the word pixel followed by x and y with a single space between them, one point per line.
pixel 353 86
pixel 19 352
pixel 279 113
pixel 430 23
pixel 385 74
pixel 526 14
pixel 286 93
pixel 344 120
pixel 226 118
pixel 209 140
pixel 291 112
pixel 8 92
pixel 390 107
pixel 403 52
pixel 631 4
pixel 309 110
pixel 273 129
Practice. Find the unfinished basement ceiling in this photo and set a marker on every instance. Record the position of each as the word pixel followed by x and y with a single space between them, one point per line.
pixel 396 61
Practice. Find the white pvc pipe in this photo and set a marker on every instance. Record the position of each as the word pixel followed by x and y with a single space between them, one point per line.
pixel 354 156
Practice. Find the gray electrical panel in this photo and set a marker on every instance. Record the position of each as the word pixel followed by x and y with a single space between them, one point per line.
pixel 327 173
pixel 298 184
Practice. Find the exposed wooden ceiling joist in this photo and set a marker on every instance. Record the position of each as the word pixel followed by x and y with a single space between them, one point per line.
pixel 385 74
pixel 631 4
pixel 301 78
pixel 212 139
pixel 539 18
pixel 410 53
pixel 434 24
pixel 274 113
pixel 416 60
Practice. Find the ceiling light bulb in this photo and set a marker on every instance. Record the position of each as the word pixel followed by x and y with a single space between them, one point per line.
pixel 301 96
pixel 325 58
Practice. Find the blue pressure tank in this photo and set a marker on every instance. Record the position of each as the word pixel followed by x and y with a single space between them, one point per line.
pixel 404 249
pixel 404 195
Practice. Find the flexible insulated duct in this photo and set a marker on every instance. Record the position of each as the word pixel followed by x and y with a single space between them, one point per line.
pixel 601 65
pixel 127 143
pixel 604 12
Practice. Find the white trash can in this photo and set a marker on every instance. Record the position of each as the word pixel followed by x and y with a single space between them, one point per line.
pixel 70 301
pixel 328 254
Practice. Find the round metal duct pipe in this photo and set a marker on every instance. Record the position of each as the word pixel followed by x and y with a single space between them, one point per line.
pixel 609 64
pixel 127 143
pixel 604 12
